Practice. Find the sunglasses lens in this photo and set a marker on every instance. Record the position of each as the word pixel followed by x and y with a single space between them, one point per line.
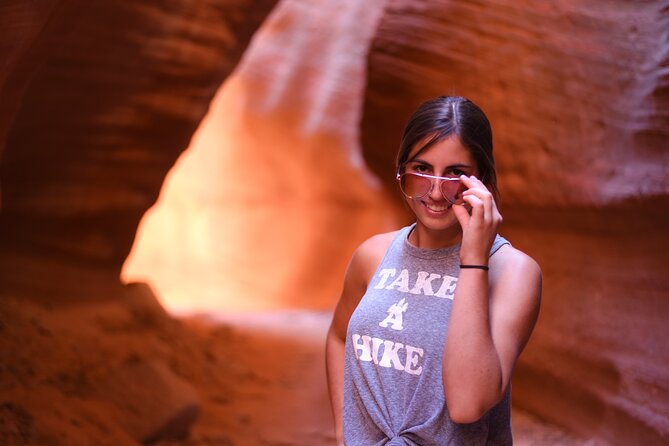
pixel 452 190
pixel 414 186
pixel 417 186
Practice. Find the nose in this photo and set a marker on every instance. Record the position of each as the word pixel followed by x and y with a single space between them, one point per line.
pixel 435 190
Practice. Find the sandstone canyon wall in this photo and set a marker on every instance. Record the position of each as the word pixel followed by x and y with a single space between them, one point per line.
pixel 271 197
pixel 578 94
pixel 99 100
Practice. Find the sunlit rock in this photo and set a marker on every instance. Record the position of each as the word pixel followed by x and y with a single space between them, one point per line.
pixel 98 102
pixel 267 204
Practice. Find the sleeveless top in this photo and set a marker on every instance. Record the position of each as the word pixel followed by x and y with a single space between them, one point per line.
pixel 393 389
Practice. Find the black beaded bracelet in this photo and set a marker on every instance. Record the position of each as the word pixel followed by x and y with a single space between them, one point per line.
pixel 483 267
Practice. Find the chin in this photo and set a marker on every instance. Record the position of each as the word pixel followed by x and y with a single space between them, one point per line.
pixel 434 220
pixel 440 226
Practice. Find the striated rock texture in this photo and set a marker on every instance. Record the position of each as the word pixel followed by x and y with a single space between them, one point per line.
pixel 597 360
pixel 578 94
pixel 272 196
pixel 578 91
pixel 99 99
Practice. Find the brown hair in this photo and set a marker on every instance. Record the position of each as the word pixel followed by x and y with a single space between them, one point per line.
pixel 441 117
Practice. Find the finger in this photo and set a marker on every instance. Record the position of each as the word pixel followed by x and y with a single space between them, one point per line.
pixel 489 207
pixel 474 185
pixel 467 181
pixel 498 219
pixel 478 188
pixel 478 211
pixel 471 181
pixel 461 214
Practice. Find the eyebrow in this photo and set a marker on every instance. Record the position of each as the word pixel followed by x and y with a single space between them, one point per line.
pixel 420 161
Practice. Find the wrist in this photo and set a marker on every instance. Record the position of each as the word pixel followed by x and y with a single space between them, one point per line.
pixel 474 267
pixel 473 260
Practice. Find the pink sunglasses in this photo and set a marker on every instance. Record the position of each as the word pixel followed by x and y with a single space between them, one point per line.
pixel 418 185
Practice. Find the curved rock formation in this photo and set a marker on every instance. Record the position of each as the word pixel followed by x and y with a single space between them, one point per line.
pixel 99 99
pixel 577 94
pixel 265 207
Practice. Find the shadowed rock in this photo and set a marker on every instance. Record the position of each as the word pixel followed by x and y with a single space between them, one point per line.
pixel 99 99
pixel 154 403
pixel 578 99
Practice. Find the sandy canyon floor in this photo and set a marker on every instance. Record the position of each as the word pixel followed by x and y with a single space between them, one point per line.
pixel 91 374
pixel 279 397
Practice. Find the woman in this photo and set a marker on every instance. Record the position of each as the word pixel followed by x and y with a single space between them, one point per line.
pixel 433 317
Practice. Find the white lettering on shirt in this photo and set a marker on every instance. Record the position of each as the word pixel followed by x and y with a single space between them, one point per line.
pixel 406 358
pixel 422 284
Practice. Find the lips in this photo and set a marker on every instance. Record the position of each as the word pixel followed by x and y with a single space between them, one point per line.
pixel 437 207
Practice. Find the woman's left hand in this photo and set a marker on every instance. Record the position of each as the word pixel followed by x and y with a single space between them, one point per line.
pixel 479 227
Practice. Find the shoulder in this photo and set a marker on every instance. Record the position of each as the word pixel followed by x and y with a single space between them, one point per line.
pixel 507 258
pixel 360 271
pixel 517 274
pixel 376 246
pixel 369 255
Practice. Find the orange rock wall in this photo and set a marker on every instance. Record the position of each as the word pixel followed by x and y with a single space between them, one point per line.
pixel 597 360
pixel 99 98
pixel 577 94
pixel 577 91
pixel 272 196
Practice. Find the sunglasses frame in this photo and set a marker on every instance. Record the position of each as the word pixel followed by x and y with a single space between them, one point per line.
pixel 431 178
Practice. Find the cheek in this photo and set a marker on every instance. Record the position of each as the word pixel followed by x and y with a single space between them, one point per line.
pixel 413 205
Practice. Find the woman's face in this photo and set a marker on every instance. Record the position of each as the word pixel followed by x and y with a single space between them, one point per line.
pixel 447 158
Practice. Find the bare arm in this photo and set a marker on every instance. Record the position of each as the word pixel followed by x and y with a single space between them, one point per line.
pixel 493 313
pixel 336 341
pixel 334 360
pixel 358 274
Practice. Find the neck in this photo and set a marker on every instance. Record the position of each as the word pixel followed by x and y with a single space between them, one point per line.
pixel 426 238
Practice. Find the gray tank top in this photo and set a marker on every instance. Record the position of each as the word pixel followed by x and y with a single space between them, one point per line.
pixel 393 390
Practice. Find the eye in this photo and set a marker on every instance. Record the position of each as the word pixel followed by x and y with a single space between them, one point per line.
pixel 419 168
pixel 455 172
